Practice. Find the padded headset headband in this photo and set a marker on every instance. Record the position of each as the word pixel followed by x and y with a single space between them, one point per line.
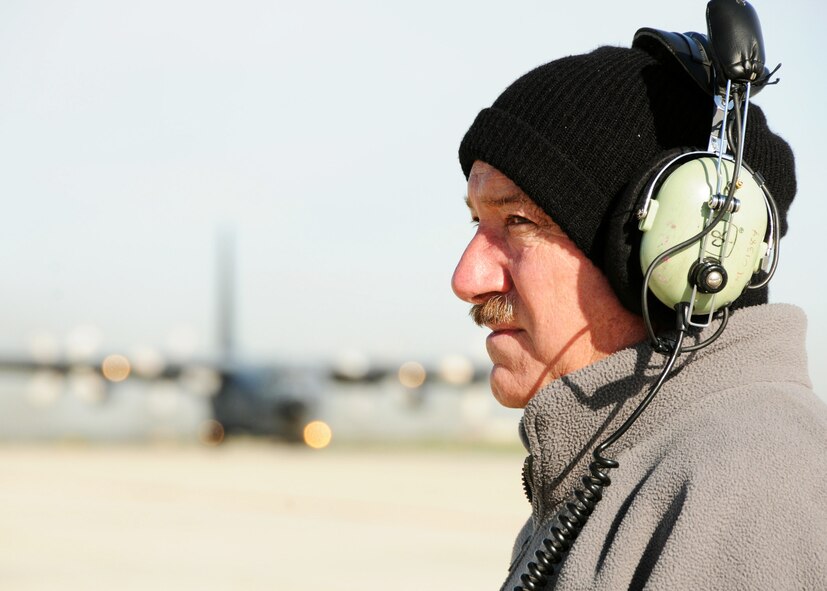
pixel 733 50
pixel 691 50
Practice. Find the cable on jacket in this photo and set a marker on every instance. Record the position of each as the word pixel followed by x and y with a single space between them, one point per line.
pixel 574 515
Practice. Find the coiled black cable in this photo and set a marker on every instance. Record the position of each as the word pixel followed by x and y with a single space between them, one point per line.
pixel 571 522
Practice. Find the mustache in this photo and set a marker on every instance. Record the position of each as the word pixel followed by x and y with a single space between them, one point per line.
pixel 498 309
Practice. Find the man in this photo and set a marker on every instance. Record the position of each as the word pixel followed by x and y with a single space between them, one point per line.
pixel 719 484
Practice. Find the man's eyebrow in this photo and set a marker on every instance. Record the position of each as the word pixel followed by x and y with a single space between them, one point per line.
pixel 499 201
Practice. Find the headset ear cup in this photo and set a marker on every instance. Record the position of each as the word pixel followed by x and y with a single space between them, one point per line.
pixel 621 251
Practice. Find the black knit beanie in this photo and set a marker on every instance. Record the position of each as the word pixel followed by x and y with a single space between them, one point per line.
pixel 575 133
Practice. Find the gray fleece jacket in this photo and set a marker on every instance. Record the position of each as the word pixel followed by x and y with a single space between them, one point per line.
pixel 721 483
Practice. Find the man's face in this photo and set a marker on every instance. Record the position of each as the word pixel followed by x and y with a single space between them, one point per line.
pixel 562 308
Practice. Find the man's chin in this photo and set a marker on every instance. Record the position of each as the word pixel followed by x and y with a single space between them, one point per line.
pixel 508 389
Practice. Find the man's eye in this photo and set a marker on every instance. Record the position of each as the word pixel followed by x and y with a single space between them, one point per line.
pixel 516 220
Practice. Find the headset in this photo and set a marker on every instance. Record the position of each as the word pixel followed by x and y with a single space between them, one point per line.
pixel 710 227
pixel 709 231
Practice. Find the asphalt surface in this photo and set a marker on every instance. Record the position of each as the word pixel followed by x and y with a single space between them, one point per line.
pixel 256 515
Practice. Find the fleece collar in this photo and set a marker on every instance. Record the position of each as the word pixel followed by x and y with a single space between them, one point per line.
pixel 567 419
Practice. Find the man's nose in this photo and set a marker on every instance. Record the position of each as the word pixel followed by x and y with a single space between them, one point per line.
pixel 481 272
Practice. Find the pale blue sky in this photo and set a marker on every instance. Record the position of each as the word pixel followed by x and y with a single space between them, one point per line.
pixel 325 133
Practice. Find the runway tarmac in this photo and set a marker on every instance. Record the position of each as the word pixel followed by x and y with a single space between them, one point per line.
pixel 256 515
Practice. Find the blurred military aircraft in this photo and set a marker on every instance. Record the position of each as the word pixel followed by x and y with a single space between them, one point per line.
pixel 272 400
